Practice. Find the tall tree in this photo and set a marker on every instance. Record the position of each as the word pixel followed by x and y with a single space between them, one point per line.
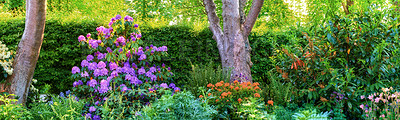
pixel 232 40
pixel 28 50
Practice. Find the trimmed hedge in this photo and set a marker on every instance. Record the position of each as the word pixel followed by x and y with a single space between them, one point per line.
pixel 60 50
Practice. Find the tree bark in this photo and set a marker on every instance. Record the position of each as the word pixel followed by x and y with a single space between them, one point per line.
pixel 28 50
pixel 232 41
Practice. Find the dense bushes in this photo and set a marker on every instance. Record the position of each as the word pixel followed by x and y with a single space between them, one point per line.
pixel 344 59
pixel 59 53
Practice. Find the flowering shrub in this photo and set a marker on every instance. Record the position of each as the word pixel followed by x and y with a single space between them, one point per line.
pixel 227 96
pixel 6 60
pixel 384 105
pixel 120 66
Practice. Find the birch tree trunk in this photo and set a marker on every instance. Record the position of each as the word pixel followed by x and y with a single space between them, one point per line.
pixel 232 41
pixel 28 50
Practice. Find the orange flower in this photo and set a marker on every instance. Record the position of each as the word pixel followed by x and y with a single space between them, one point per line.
pixel 218 84
pixel 246 98
pixel 210 85
pixel 249 87
pixel 270 102
pixel 219 90
pixel 224 94
pixel 323 99
pixel 257 88
pixel 235 82
pixel 201 96
pixel 231 87
pixel 237 88
pixel 176 90
pixel 209 94
pixel 216 100
pixel 227 100
pixel 257 95
pixel 226 84
pixel 256 84
pixel 240 100
pixel 229 93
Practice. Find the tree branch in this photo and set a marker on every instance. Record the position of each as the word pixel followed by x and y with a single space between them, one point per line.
pixel 213 19
pixel 252 16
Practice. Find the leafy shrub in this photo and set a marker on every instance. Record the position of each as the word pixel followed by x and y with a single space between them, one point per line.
pixel 59 108
pixel 228 97
pixel 9 110
pixel 311 115
pixel 254 109
pixel 120 65
pixel 343 59
pixel 202 75
pixel 180 106
pixel 14 4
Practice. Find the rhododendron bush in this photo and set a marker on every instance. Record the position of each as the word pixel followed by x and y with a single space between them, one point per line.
pixel 120 66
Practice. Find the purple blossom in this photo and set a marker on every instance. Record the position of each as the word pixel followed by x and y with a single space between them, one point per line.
pixel 118 17
pixel 138 36
pixel 89 58
pixel 152 69
pixel 92 109
pixel 109 50
pixel 147 48
pixel 84 63
pixel 172 85
pixel 104 86
pixel 142 57
pixel 149 74
pixel 159 69
pixel 134 65
pixel 113 66
pixel 113 19
pixel 114 74
pixel 151 46
pixel 120 50
pixel 133 38
pixel 75 69
pixel 100 29
pixel 141 71
pixel 110 24
pixel 128 18
pixel 96 117
pixel 92 83
pixel 136 25
pixel 105 98
pixel 163 65
pixel 169 68
pixel 123 88
pixel 136 81
pixel 101 65
pixel 88 116
pixel 128 77
pixel 76 83
pixel 126 64
pixel 84 74
pixel 81 38
pixel 92 66
pixel 93 44
pixel 153 77
pixel 177 89
pixel 96 103
pixel 128 54
pixel 164 85
pixel 120 70
pixel 104 72
pixel 101 56
pixel 88 35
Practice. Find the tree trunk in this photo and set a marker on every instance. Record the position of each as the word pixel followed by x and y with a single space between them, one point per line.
pixel 232 42
pixel 28 50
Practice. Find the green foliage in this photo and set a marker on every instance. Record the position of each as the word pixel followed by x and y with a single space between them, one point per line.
pixel 280 92
pixel 254 109
pixel 202 75
pixel 14 4
pixel 9 110
pixel 58 109
pixel 311 115
pixel 179 106
pixel 346 58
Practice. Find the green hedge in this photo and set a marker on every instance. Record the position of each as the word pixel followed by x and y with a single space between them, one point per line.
pixel 60 50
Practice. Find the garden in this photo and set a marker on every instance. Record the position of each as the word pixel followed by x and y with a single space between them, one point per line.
pixel 199 59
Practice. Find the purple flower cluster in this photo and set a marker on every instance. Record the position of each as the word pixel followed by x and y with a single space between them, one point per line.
pixel 77 83
pixel 81 38
pixel 84 74
pixel 104 86
pixel 91 83
pixel 120 41
pixel 128 18
pixel 75 69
